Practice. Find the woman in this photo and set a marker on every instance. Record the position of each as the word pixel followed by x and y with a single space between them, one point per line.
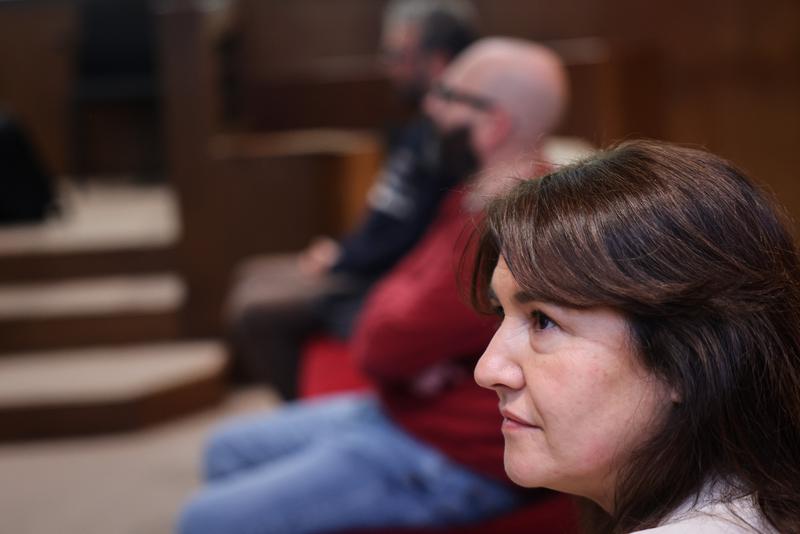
pixel 648 356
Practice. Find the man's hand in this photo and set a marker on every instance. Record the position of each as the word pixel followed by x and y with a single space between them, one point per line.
pixel 320 256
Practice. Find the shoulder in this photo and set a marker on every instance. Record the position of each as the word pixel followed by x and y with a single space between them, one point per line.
pixel 702 524
pixel 739 516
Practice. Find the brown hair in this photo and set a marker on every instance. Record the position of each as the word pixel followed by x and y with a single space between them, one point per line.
pixel 705 269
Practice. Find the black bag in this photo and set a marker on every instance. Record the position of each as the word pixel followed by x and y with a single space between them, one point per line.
pixel 26 189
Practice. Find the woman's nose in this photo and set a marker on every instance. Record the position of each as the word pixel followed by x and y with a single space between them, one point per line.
pixel 495 369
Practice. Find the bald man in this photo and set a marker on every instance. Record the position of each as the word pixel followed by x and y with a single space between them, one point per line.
pixel 498 103
pixel 425 448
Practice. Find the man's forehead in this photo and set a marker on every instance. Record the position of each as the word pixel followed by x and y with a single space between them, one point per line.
pixel 462 75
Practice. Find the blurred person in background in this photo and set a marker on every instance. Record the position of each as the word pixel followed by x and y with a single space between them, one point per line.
pixel 277 301
pixel 424 448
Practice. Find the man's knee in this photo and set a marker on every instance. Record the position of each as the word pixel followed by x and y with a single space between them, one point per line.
pixel 217 511
pixel 201 516
pixel 221 455
pixel 252 305
pixel 251 321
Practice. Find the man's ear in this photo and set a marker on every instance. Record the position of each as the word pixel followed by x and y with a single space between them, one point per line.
pixel 495 128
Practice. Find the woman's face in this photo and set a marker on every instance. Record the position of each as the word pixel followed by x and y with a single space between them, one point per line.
pixel 574 397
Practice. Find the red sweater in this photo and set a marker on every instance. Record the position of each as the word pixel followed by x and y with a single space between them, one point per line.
pixel 418 340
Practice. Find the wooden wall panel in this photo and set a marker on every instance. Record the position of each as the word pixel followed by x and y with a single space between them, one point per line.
pixel 280 34
pixel 36 71
pixel 732 72
pixel 542 20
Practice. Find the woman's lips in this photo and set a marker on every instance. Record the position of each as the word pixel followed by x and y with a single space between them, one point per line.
pixel 512 421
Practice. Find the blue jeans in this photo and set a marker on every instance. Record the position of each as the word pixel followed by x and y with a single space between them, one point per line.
pixel 332 464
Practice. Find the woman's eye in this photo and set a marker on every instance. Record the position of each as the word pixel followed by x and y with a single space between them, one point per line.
pixel 541 321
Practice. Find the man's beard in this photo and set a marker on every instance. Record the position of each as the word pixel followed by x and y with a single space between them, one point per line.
pixel 456 157
pixel 411 94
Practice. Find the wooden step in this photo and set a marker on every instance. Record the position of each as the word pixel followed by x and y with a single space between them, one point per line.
pixel 106 389
pixel 103 228
pixel 90 311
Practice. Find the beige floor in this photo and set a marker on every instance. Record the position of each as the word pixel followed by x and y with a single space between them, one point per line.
pixel 123 484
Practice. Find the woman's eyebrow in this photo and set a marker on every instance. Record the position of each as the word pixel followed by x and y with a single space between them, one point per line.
pixel 520 297
pixel 523 298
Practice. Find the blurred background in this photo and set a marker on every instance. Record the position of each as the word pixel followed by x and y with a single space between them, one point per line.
pixel 162 141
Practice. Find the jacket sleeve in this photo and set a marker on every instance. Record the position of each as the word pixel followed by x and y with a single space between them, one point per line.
pixel 378 242
pixel 401 206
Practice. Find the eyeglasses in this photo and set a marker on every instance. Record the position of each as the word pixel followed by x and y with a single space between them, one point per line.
pixel 448 94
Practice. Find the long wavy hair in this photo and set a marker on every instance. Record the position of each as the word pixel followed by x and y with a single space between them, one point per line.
pixel 704 267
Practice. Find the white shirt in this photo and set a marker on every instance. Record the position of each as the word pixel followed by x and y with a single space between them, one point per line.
pixel 711 516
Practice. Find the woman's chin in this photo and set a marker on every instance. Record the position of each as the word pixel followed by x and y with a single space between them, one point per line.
pixel 522 475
